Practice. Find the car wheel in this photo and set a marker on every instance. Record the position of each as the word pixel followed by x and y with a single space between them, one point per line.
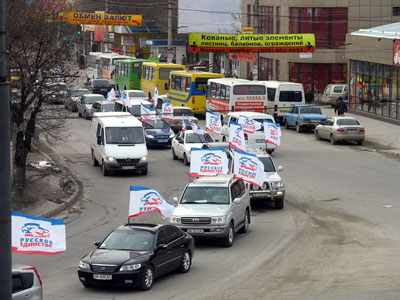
pixel 79 114
pixel 104 169
pixel 87 116
pixel 333 141
pixel 185 160
pixel 224 139
pixel 144 171
pixel 269 151
pixel 95 162
pixel 147 279
pixel 185 263
pixel 228 240
pixel 317 135
pixel 286 124
pixel 279 203
pixel 174 156
pixel 360 142
pixel 246 224
pixel 298 128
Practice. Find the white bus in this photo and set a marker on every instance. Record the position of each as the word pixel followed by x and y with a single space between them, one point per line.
pixel 225 95
pixel 92 62
pixel 107 65
pixel 282 96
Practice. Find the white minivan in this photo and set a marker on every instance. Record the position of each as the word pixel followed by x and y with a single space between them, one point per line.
pixel 253 140
pixel 282 96
pixel 118 143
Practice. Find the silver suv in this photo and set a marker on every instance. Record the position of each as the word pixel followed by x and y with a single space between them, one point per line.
pixel 26 283
pixel 213 207
pixel 273 189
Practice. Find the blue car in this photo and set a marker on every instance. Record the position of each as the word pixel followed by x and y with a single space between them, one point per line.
pixel 304 117
pixel 158 133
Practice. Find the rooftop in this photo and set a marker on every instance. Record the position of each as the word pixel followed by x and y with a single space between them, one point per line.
pixel 388 31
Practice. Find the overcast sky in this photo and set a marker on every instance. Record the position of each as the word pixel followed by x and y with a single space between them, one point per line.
pixel 220 20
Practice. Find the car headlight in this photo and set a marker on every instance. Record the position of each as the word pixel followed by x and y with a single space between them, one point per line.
pixel 111 159
pixel 130 267
pixel 172 135
pixel 277 184
pixel 144 158
pixel 150 136
pixel 175 220
pixel 83 265
pixel 218 220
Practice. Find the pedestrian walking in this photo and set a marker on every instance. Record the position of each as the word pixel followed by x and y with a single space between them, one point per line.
pixel 340 107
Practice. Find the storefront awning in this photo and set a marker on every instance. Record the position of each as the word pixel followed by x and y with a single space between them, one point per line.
pixel 388 31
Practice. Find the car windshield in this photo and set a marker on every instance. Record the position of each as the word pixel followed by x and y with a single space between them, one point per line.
pixel 157 124
pixel 310 110
pixel 183 112
pixel 136 109
pixel 198 138
pixel 124 135
pixel 79 93
pixel 133 240
pixel 205 195
pixel 107 107
pixel 101 83
pixel 91 100
pixel 136 94
pixel 268 164
pixel 344 122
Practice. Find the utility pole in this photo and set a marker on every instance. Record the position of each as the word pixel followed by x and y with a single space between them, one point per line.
pixel 256 21
pixel 169 54
pixel 5 172
pixel 106 28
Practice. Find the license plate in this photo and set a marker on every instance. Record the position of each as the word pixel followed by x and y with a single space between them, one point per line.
pixel 128 167
pixel 102 277
pixel 163 141
pixel 262 195
pixel 316 121
pixel 260 141
pixel 195 230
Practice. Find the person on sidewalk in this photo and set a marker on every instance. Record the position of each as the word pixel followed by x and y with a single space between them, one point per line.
pixel 340 107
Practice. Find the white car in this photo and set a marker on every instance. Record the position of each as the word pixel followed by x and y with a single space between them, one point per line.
pixel 26 283
pixel 136 95
pixel 184 141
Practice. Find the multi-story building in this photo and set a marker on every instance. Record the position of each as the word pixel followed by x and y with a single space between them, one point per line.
pixel 329 20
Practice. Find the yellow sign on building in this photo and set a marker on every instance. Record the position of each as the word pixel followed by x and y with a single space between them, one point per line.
pixel 247 30
pixel 103 19
pixel 210 42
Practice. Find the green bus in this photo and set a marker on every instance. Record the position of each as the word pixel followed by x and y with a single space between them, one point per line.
pixel 128 73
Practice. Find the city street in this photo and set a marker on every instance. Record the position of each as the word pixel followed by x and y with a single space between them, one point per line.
pixel 336 238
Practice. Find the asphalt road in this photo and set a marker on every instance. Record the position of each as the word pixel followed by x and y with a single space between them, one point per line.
pixel 336 238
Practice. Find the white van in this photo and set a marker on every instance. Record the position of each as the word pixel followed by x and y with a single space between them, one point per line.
pixel 118 143
pixel 282 96
pixel 253 140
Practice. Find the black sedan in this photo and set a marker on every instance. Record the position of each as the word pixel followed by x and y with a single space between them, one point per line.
pixel 99 86
pixel 135 254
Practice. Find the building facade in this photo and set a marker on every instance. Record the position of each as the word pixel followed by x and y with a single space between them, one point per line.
pixel 329 20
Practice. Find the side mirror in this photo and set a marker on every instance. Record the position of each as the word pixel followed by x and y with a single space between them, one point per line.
pixel 175 200
pixel 99 140
pixel 97 243
pixel 236 201
pixel 280 168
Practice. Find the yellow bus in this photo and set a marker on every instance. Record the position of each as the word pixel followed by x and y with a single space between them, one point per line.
pixel 154 73
pixel 189 88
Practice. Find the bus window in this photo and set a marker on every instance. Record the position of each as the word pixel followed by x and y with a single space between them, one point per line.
pixel 164 72
pixel 183 84
pixel 137 69
pixel 213 89
pixel 201 84
pixel 218 91
pixel 228 92
pixel 249 90
pixel 188 82
pixel 222 92
pixel 271 94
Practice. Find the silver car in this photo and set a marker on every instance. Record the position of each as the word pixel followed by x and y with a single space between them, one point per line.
pixel 101 106
pixel 215 207
pixel 341 129
pixel 26 283
pixel 86 102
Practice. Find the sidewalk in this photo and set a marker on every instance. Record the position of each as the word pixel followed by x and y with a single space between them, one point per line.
pixel 379 135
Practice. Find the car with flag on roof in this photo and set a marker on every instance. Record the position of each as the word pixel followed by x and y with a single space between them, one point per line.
pixel 158 132
pixel 181 113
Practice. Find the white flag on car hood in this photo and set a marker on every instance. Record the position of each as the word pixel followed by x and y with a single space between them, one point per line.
pixel 236 136
pixel 213 122
pixel 208 162
pixel 248 167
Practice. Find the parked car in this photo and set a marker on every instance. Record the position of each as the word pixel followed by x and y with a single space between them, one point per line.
pixel 71 102
pixel 101 106
pixel 133 255
pixel 26 283
pixel 185 140
pixel 158 133
pixel 273 189
pixel 213 207
pixel 181 112
pixel 86 102
pixel 303 117
pixel 332 92
pixel 341 129
pixel 99 86
pixel 136 95
pixel 55 93
pixel 253 140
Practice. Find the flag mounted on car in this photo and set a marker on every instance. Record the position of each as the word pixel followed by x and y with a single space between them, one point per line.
pixel 196 128
pixel 213 122
pixel 236 136
pixel 144 200
pixel 148 113
pixel 248 167
pixel 248 124
pixel 272 133
pixel 208 162
pixel 167 111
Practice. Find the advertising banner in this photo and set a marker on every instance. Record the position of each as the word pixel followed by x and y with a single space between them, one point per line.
pixel 212 42
pixel 208 162
pixel 396 53
pixel 103 19
pixel 272 133
pixel 213 122
pixel 236 136
pixel 242 56
pixel 248 167
pixel 248 124
pixel 33 235
pixel 167 111
pixel 144 200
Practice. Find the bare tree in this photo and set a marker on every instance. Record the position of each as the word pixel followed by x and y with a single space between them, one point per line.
pixel 39 48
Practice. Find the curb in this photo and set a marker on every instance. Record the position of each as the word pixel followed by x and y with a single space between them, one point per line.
pixel 71 200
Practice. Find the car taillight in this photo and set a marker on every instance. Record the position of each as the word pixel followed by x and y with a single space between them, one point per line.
pixel 275 107
pixel 307 119
pixel 361 130
pixel 193 100
pixel 340 130
pixel 36 272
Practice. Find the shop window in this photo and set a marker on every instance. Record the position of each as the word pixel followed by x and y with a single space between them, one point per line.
pixel 396 11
